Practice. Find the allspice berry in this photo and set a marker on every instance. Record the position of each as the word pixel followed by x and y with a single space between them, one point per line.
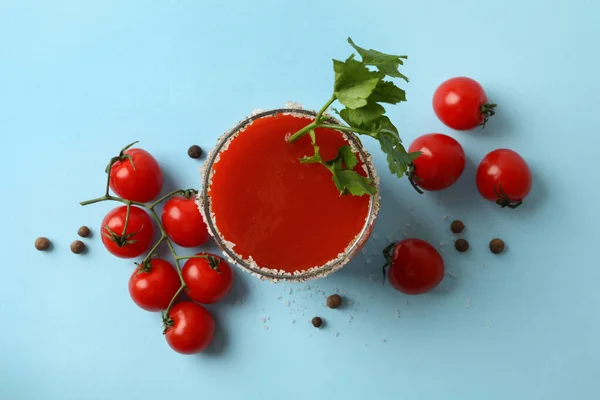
pixel 461 245
pixel 317 322
pixel 42 243
pixel 195 151
pixel 496 246
pixel 77 247
pixel 84 231
pixel 457 226
pixel 334 301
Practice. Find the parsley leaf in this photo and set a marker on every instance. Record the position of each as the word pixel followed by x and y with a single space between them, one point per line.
pixel 398 159
pixel 362 117
pixel 354 82
pixel 387 92
pixel 385 63
pixel 355 183
pixel 348 156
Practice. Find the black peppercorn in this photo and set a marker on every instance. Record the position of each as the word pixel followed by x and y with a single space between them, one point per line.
pixel 461 245
pixel 195 151
pixel 457 226
pixel 496 246
pixel 77 247
pixel 84 231
pixel 42 243
pixel 317 322
pixel 334 301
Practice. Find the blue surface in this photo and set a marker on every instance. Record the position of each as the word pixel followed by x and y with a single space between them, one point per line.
pixel 80 79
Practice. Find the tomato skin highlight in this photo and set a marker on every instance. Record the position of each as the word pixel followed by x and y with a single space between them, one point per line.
pixel 153 290
pixel 193 328
pixel 139 223
pixel 441 163
pixel 204 284
pixel 416 267
pixel 183 222
pixel 504 177
pixel 458 103
pixel 141 183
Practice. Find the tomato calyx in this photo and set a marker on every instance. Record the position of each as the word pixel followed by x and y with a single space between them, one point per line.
pixel 488 110
pixel 187 194
pixel 213 261
pixel 121 157
pixel 144 266
pixel 412 178
pixel 167 322
pixel 119 240
pixel 387 255
pixel 504 201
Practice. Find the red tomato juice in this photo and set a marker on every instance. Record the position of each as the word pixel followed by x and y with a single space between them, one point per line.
pixel 283 214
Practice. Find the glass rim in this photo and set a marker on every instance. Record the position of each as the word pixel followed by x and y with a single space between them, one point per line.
pixel 204 204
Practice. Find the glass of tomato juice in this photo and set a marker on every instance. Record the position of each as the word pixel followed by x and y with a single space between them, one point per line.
pixel 276 217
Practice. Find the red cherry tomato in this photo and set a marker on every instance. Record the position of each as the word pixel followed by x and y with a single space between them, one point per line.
pixel 183 222
pixel 189 328
pixel 208 280
pixel 136 176
pixel 441 163
pixel 152 286
pixel 415 267
pixel 462 104
pixel 503 176
pixel 137 237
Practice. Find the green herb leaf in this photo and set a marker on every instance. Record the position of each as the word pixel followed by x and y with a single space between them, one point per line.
pixel 398 159
pixel 387 92
pixel 363 117
pixel 348 156
pixel 386 63
pixel 354 82
pixel 355 183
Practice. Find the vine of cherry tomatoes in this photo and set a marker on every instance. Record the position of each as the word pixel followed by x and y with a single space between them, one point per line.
pixel 156 284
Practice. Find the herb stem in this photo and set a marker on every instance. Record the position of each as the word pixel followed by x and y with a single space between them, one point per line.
pixel 347 129
pixel 324 108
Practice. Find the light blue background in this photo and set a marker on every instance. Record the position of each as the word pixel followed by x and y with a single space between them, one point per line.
pixel 79 79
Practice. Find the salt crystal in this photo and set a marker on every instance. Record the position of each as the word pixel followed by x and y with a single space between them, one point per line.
pixel 451 274
pixel 405 234
pixel 263 319
pixel 307 287
pixel 293 105
pixel 278 297
pixel 383 340
pixel 350 319
pixel 407 225
pixel 397 313
pixel 375 236
pixel 468 304
pixel 265 327
pixel 293 321
pixel 290 291
pixel 442 243
pixel 256 111
pixel 336 334
pixel 268 318
pixel 287 303
pixel 368 261
pixel 445 217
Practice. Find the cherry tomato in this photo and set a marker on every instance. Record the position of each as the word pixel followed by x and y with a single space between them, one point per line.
pixel 183 222
pixel 462 104
pixel 189 328
pixel 137 237
pixel 503 176
pixel 153 285
pixel 415 267
pixel 136 176
pixel 441 163
pixel 209 279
